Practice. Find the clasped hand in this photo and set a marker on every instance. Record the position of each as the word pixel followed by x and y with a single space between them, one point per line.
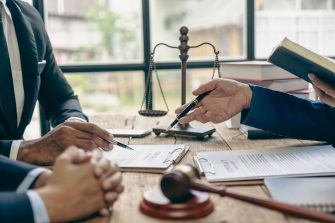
pixel 81 184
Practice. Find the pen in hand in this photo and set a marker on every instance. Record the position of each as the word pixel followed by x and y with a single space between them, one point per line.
pixel 187 109
pixel 114 142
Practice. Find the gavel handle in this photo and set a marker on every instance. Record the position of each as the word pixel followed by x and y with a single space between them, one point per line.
pixel 270 204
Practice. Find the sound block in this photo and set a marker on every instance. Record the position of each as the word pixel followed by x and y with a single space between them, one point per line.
pixel 185 130
pixel 155 204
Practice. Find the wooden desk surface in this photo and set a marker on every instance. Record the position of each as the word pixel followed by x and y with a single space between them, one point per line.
pixel 227 210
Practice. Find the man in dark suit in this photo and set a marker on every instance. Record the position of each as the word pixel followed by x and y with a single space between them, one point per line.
pixel 80 185
pixel 262 108
pixel 29 72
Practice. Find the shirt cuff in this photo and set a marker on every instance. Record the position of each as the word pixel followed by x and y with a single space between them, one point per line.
pixel 29 179
pixel 40 212
pixel 76 119
pixel 14 150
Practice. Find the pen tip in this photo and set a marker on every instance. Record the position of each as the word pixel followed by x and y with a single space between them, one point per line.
pixel 168 128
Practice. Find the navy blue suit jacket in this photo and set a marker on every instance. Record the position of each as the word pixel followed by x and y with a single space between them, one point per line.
pixel 47 85
pixel 14 207
pixel 290 116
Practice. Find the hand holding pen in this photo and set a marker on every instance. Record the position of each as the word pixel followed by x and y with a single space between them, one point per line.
pixel 224 99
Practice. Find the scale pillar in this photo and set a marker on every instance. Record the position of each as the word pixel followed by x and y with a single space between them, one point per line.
pixel 183 48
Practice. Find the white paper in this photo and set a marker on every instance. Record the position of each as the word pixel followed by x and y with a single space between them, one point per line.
pixel 145 156
pixel 261 163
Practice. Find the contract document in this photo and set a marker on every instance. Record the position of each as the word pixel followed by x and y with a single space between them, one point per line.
pixel 147 158
pixel 261 163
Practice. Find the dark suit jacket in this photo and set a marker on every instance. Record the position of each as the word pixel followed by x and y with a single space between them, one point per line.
pixel 14 207
pixel 49 86
pixel 290 116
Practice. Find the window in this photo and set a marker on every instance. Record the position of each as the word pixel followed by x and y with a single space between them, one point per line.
pixel 308 22
pixel 109 92
pixel 91 31
pixel 221 23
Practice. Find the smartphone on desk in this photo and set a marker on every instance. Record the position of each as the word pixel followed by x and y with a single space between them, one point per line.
pixel 135 133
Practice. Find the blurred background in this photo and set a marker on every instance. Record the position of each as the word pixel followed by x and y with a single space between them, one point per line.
pixel 103 46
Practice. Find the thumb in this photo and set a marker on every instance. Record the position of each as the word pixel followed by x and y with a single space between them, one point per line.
pixel 210 86
pixel 72 154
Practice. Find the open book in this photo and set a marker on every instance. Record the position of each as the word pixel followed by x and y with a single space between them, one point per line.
pixel 300 61
pixel 147 158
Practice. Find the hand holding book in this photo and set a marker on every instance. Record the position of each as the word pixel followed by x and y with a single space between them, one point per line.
pixel 324 91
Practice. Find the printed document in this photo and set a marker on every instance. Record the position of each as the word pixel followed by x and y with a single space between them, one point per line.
pixel 261 163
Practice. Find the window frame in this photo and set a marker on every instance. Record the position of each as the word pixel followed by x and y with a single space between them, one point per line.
pixel 143 66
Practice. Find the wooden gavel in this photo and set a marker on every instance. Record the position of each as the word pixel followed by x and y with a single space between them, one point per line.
pixel 177 184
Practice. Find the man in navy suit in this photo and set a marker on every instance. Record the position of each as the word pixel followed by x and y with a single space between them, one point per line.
pixel 29 72
pixel 81 184
pixel 269 110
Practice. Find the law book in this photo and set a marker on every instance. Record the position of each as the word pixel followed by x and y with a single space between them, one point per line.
pixel 301 61
pixel 147 158
pixel 257 164
pixel 253 70
pixel 280 85
pixel 311 192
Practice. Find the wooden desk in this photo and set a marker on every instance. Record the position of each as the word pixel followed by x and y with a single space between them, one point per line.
pixel 226 210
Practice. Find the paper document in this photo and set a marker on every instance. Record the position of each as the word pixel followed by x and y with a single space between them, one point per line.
pixel 261 163
pixel 147 156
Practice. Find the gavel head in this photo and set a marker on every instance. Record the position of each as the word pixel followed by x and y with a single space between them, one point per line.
pixel 176 184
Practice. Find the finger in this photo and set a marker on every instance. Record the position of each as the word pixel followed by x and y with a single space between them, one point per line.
pixel 119 189
pixel 113 168
pixel 82 157
pixel 105 145
pixel 104 212
pixel 210 86
pixel 188 118
pixel 111 197
pixel 326 98
pixel 101 167
pixel 91 128
pixel 70 154
pixel 181 108
pixel 326 88
pixel 112 182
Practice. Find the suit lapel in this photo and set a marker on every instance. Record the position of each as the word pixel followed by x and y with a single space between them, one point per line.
pixel 29 61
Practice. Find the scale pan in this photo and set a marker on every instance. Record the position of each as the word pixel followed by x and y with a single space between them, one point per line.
pixel 152 113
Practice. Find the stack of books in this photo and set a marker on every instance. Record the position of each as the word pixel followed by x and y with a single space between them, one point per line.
pixel 264 74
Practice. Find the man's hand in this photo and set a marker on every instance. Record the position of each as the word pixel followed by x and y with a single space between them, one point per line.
pixel 226 99
pixel 110 178
pixel 324 91
pixel 43 151
pixel 73 191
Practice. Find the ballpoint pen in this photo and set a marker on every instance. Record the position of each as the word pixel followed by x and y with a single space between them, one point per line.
pixel 187 109
pixel 119 144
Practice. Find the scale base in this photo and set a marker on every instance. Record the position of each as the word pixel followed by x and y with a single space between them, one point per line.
pixel 185 130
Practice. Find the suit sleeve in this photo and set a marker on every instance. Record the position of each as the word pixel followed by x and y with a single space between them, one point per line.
pixel 56 95
pixel 290 116
pixel 12 173
pixel 15 208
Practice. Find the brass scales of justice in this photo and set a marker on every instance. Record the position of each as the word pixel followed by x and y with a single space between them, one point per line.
pixel 186 129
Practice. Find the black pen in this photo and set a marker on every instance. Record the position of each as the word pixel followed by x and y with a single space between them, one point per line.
pixel 119 144
pixel 187 109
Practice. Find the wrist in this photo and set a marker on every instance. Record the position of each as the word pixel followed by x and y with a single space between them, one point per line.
pixel 247 92
pixel 51 202
pixel 26 151
pixel 42 179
